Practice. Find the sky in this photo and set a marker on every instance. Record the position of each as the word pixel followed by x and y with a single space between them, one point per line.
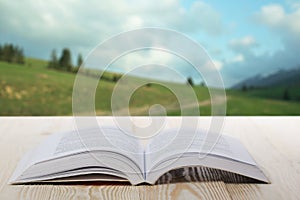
pixel 242 38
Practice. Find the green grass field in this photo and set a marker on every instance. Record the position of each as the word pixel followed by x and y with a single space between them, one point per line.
pixel 241 103
pixel 276 92
pixel 32 89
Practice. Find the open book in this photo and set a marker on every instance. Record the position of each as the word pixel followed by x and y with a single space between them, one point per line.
pixel 110 155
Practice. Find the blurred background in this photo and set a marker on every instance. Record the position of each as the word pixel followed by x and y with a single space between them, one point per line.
pixel 254 45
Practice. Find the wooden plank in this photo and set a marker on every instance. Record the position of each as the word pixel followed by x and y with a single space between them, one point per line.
pixel 273 142
pixel 244 191
pixel 202 174
pixel 208 190
pixel 278 166
pixel 18 135
pixel 57 192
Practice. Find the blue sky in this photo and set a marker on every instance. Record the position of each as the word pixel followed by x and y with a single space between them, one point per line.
pixel 243 38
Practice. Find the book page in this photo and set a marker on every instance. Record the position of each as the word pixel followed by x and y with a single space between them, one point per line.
pixel 170 150
pixel 95 139
pixel 88 140
pixel 166 145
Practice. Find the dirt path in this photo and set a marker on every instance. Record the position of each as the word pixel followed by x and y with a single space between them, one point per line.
pixel 145 109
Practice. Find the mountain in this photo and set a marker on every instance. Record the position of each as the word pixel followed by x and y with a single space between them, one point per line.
pixel 282 78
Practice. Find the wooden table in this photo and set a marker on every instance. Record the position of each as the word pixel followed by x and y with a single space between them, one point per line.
pixel 274 142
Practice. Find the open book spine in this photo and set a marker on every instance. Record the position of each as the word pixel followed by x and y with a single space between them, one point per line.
pixel 145 165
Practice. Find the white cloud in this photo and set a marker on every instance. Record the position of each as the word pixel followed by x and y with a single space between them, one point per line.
pixel 218 64
pixel 86 22
pixel 272 14
pixel 137 58
pixel 238 58
pixel 281 23
pixel 275 17
pixel 242 47
pixel 40 26
pixel 133 21
pixel 245 42
pixel 150 64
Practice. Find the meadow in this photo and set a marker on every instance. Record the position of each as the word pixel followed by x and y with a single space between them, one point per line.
pixel 34 90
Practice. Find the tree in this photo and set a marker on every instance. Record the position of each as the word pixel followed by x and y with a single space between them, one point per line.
pixel 1 52
pixel 8 53
pixel 116 78
pixel 53 63
pixel 190 81
pixel 79 60
pixel 65 61
pixel 12 54
pixel 19 55
pixel 286 95
pixel 244 88
pixel 79 63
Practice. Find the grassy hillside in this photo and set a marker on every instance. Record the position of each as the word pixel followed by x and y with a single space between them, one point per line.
pixel 35 63
pixel 276 92
pixel 277 85
pixel 32 89
pixel 244 103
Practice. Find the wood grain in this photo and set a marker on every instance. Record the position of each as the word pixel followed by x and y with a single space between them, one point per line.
pixel 202 174
pixel 272 141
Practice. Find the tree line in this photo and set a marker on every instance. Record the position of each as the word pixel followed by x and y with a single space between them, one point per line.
pixel 64 62
pixel 12 53
pixel 285 93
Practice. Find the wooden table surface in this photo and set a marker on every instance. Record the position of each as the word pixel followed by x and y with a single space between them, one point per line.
pixel 274 143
